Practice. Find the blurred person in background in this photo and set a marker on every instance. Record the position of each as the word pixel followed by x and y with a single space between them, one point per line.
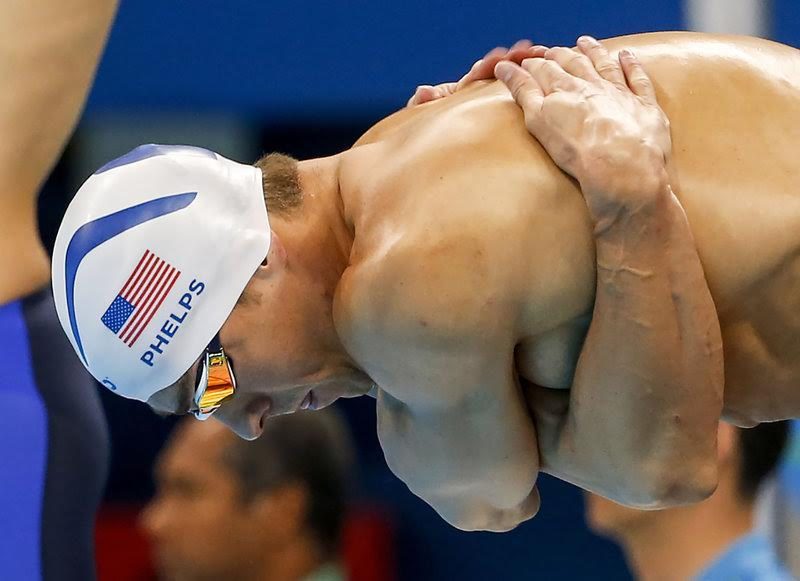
pixel 55 452
pixel 268 509
pixel 710 541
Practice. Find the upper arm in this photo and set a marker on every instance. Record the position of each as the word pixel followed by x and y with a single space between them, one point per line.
pixel 49 51
pixel 475 462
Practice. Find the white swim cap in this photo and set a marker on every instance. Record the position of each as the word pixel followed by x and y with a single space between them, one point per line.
pixel 150 259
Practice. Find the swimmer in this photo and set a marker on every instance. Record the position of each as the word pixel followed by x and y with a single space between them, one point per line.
pixel 509 316
pixel 56 449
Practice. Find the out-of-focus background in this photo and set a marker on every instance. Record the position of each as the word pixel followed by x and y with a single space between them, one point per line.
pixel 307 78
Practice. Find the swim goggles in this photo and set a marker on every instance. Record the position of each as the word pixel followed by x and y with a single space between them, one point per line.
pixel 215 381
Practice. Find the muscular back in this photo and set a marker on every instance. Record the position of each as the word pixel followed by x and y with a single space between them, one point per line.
pixel 467 230
pixel 472 271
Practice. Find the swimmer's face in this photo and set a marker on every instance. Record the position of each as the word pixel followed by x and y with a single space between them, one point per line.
pixel 279 339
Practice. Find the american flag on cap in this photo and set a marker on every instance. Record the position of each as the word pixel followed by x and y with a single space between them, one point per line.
pixel 140 297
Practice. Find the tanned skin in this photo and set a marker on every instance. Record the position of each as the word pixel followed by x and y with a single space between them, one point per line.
pixel 516 307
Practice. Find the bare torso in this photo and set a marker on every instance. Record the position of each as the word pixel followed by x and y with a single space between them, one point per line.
pixel 473 259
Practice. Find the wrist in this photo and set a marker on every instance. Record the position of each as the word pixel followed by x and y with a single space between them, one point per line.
pixel 624 185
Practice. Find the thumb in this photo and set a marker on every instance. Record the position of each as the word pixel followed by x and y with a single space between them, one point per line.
pixel 524 88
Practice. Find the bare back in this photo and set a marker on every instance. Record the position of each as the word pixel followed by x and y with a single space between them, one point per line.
pixel 472 272
pixel 485 232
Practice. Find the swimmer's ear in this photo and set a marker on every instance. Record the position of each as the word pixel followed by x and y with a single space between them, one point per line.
pixel 275 261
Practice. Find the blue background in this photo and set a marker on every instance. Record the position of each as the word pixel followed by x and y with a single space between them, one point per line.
pixel 307 58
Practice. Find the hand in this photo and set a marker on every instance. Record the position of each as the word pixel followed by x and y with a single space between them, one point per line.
pixel 598 119
pixel 482 69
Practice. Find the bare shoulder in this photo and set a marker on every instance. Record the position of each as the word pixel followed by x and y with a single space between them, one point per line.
pixel 416 322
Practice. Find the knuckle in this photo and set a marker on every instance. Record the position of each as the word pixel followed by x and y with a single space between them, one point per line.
pixel 551 67
pixel 516 88
pixel 598 50
pixel 524 94
pixel 606 65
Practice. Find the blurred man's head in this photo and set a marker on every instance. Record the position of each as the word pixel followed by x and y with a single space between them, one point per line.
pixel 746 458
pixel 228 508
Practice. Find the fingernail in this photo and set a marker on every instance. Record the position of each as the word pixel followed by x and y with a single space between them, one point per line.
pixel 586 39
pixel 627 53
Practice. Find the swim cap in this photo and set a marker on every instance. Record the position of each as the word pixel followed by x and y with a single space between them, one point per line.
pixel 151 256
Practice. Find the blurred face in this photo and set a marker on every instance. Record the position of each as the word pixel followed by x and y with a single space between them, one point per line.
pixel 198 524
pixel 608 518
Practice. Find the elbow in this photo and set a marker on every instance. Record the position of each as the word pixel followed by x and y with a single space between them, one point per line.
pixel 480 514
pixel 688 484
pixel 493 521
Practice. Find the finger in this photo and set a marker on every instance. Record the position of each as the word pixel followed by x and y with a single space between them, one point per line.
pixel 606 67
pixel 427 93
pixel 521 44
pixel 638 81
pixel 517 55
pixel 574 62
pixel 483 68
pixel 549 75
pixel 537 51
pixel 423 94
pixel 524 88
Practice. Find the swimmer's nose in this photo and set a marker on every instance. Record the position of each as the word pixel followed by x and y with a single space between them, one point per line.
pixel 256 413
pixel 246 421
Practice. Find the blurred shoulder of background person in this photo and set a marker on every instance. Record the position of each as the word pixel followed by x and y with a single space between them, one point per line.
pixel 714 539
pixel 267 509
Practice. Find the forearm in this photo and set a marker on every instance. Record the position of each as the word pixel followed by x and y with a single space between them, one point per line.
pixel 49 51
pixel 647 393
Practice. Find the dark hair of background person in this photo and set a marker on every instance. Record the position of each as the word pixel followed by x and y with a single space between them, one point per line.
pixel 761 448
pixel 309 449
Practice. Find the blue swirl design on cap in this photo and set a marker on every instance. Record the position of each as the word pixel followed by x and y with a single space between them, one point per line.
pixel 94 233
pixel 152 150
